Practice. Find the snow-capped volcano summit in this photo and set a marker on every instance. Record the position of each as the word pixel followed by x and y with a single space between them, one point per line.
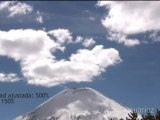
pixel 77 104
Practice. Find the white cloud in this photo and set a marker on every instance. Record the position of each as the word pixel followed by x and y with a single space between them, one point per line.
pixel 79 39
pixel 34 50
pixel 122 38
pixel 24 44
pixel 15 8
pixel 39 17
pixel 82 66
pixel 131 17
pixel 62 35
pixel 91 18
pixel 11 77
pixel 88 42
pixel 155 36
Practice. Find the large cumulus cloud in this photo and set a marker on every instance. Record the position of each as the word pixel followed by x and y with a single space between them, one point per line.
pixel 34 49
pixel 126 18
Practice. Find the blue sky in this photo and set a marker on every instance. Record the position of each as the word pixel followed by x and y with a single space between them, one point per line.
pixel 50 46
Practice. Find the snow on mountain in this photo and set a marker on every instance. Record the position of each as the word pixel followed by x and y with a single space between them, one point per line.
pixel 77 104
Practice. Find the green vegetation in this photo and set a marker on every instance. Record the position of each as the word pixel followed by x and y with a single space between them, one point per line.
pixel 147 116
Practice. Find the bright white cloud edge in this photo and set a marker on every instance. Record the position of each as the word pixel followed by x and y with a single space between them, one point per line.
pixel 15 8
pixel 39 17
pixel 11 77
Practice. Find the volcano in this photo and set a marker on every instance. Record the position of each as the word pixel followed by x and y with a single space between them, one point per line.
pixel 78 104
